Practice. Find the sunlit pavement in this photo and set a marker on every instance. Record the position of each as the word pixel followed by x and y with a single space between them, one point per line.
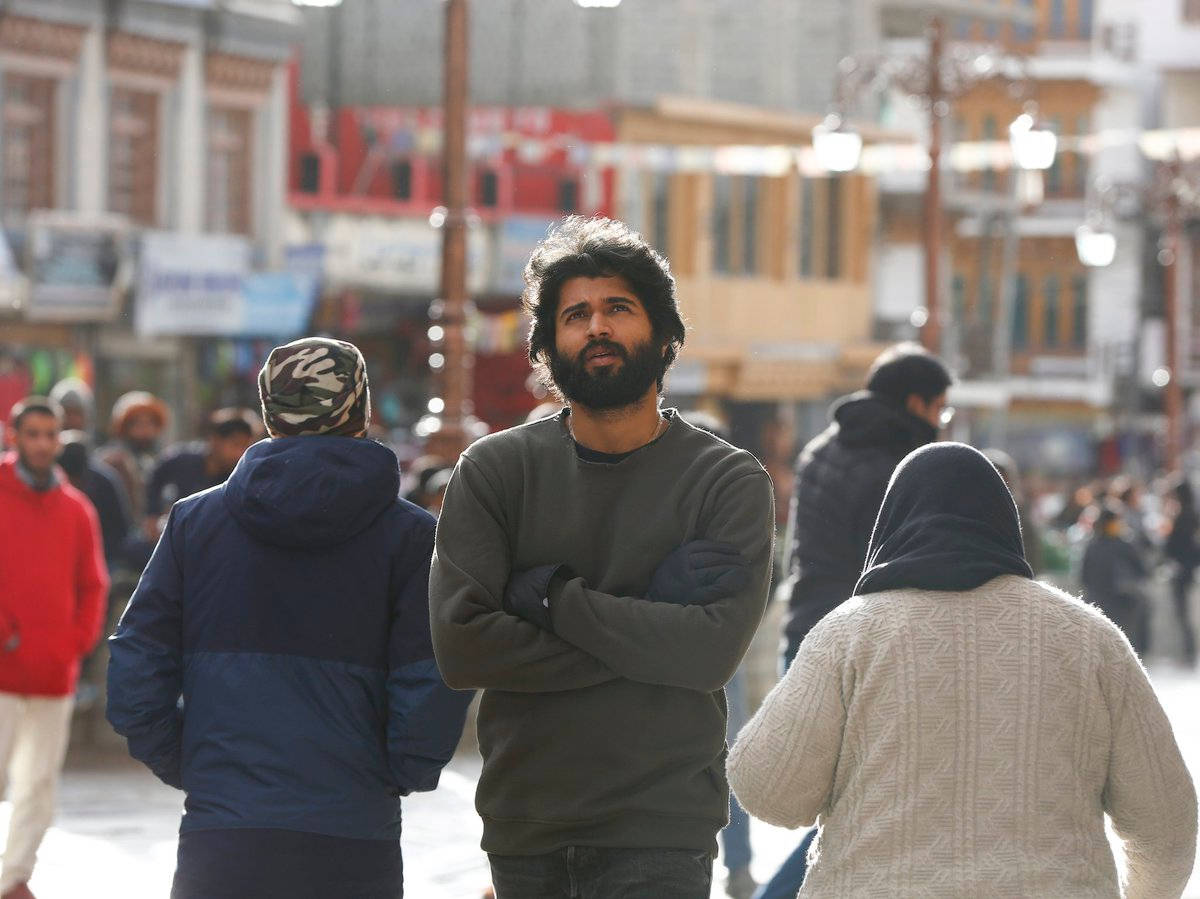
pixel 115 832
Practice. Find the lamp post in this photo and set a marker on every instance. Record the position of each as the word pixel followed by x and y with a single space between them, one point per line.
pixel 453 363
pixel 1173 190
pixel 937 79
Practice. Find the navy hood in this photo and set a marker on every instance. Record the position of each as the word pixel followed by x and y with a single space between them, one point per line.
pixel 868 419
pixel 312 491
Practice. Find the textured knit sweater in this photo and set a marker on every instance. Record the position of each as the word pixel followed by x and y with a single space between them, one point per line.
pixel 610 731
pixel 969 744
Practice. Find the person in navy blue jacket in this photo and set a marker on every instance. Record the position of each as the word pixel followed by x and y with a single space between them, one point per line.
pixel 275 660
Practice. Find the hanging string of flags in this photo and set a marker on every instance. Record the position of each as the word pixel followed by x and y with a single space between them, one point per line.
pixel 877 158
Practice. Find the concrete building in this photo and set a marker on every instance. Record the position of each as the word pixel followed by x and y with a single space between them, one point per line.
pixel 128 127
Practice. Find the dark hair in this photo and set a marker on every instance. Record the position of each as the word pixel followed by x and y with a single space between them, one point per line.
pixel 905 369
pixel 34 405
pixel 232 422
pixel 597 248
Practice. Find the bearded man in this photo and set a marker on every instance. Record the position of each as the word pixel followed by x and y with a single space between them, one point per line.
pixel 599 574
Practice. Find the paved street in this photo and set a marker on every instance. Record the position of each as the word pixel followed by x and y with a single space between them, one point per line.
pixel 115 835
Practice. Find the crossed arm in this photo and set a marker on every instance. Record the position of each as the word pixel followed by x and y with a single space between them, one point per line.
pixel 594 636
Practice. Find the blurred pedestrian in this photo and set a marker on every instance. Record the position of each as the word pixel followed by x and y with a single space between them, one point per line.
pixel 1030 533
pixel 600 574
pixel 199 464
pixel 841 476
pixel 289 609
pixel 102 486
pixel 1114 574
pixel 136 427
pixel 959 729
pixel 52 589
pixel 1182 549
pixel 78 405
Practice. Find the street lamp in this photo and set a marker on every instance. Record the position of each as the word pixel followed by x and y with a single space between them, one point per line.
pixel 1171 192
pixel 836 148
pixel 1033 147
pixel 937 78
pixel 1095 246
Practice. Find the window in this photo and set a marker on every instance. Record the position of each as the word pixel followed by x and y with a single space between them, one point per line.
pixel 661 194
pixel 1054 173
pixel 833 224
pixel 230 159
pixel 962 27
pixel 1025 30
pixel 958 299
pixel 133 155
pixel 1079 311
pixel 806 228
pixel 750 225
pixel 1020 313
pixel 488 188
pixel 402 179
pixel 989 134
pixel 721 220
pixel 1083 126
pixel 1058 18
pixel 28 143
pixel 1050 312
pixel 983 311
pixel 735 224
pixel 1086 17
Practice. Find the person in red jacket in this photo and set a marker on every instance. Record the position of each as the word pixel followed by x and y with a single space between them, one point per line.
pixel 52 589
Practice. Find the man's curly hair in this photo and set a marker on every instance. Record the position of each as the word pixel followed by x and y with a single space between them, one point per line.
pixel 598 248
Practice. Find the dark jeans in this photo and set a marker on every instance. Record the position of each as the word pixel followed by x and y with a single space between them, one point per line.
pixel 593 872
pixel 1181 589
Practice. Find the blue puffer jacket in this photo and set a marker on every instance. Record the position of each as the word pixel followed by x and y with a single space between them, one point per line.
pixel 289 609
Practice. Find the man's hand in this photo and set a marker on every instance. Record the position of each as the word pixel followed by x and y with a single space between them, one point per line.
pixel 527 594
pixel 698 573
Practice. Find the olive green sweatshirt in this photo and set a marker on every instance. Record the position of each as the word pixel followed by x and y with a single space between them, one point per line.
pixel 610 731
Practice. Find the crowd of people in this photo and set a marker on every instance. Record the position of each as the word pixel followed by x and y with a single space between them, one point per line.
pixel 300 630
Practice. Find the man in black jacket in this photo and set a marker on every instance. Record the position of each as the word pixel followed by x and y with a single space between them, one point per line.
pixel 841 476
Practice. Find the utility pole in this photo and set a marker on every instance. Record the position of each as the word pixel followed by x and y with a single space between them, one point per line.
pixel 931 331
pixel 449 311
pixel 1173 397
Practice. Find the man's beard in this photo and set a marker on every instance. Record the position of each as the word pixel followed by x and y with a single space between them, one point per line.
pixel 608 387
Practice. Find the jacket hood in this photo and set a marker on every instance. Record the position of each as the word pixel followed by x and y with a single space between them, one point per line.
pixel 312 491
pixel 868 419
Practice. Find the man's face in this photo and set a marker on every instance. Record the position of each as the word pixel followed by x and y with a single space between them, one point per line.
pixel 36 442
pixel 142 431
pixel 74 418
pixel 226 451
pixel 935 411
pixel 605 355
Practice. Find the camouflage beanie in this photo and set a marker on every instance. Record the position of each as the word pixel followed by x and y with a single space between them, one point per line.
pixel 315 386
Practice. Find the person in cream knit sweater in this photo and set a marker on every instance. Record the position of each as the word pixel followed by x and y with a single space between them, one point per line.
pixel 959 729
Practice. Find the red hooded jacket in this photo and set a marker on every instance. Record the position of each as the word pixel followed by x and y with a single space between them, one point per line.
pixel 53 584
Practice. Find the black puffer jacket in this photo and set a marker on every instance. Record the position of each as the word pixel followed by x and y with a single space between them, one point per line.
pixel 841 476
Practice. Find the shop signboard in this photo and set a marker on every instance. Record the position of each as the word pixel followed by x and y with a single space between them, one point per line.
pixel 395 256
pixel 202 285
pixel 517 238
pixel 76 266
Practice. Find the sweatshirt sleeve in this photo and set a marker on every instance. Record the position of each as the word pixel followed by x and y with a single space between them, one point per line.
pixel 91 581
pixel 145 668
pixel 425 717
pixel 697 647
pixel 782 766
pixel 1149 793
pixel 477 643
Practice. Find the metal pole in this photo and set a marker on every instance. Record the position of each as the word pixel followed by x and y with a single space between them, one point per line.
pixel 1002 334
pixel 451 437
pixel 1173 398
pixel 931 331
